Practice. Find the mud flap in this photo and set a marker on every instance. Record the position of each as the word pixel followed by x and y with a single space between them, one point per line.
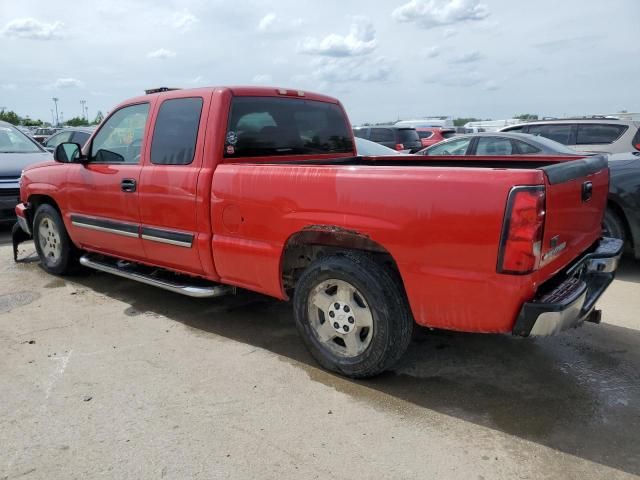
pixel 18 236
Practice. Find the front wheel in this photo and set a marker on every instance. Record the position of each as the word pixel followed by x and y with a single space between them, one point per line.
pixel 54 247
pixel 352 315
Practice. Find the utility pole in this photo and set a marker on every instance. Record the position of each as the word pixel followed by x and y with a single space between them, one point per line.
pixel 83 104
pixel 86 112
pixel 55 101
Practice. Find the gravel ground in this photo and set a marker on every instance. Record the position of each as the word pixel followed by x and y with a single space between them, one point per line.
pixel 105 378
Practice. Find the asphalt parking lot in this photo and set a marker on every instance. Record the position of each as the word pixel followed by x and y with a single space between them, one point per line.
pixel 103 377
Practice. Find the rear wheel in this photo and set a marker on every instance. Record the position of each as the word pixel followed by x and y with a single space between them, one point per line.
pixel 352 315
pixel 57 253
pixel 613 225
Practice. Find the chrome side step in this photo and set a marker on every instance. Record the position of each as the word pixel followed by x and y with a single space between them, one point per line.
pixel 192 290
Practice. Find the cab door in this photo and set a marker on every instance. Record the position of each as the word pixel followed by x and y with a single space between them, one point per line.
pixel 168 190
pixel 102 211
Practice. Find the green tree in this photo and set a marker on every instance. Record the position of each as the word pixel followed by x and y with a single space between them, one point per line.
pixel 459 122
pixel 30 122
pixel 527 117
pixel 77 122
pixel 10 116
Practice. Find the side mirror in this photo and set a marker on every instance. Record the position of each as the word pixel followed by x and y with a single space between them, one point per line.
pixel 68 152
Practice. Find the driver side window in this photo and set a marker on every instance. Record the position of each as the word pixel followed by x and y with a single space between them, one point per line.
pixel 452 147
pixel 120 138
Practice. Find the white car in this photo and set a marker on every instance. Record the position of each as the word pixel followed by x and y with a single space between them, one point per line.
pixel 592 134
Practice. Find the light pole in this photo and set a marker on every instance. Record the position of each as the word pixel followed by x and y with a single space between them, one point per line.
pixel 61 117
pixel 83 104
pixel 55 101
pixel 53 119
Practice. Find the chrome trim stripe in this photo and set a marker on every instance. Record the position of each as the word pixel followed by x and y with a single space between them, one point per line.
pixel 167 240
pixel 124 233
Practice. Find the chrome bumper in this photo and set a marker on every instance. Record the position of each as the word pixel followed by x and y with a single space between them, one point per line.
pixel 571 302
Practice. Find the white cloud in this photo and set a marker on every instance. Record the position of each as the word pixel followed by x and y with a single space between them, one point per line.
pixel 8 86
pixel 469 57
pixel 360 40
pixel 273 24
pixel 491 85
pixel 434 13
pixel 33 29
pixel 449 32
pixel 199 80
pixel 340 70
pixel 68 83
pixel 456 78
pixel 262 78
pixel 183 21
pixel 161 53
pixel 431 52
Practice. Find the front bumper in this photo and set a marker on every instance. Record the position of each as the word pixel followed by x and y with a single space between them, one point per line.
pixel 22 211
pixel 572 299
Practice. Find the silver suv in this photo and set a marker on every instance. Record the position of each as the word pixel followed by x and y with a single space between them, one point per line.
pixel 591 134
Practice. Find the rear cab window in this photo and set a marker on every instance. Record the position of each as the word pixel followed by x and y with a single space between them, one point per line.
pixel 272 126
pixel 423 134
pixel 382 135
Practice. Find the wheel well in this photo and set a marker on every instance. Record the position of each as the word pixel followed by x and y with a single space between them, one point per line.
pixel 625 223
pixel 36 200
pixel 304 247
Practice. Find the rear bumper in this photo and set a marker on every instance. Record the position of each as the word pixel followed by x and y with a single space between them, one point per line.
pixel 572 299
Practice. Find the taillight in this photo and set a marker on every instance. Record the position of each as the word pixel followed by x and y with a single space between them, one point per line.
pixel 636 140
pixel 399 146
pixel 521 240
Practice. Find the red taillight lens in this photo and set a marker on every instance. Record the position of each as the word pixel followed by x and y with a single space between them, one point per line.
pixel 399 146
pixel 522 230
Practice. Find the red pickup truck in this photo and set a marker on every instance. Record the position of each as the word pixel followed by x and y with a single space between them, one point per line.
pixel 205 190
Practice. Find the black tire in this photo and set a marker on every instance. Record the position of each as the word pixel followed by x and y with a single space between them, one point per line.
pixel 64 260
pixel 386 304
pixel 613 225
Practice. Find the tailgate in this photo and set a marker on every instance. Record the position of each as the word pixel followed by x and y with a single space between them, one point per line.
pixel 576 198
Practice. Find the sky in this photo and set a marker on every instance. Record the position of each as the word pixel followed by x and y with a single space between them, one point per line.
pixel 384 59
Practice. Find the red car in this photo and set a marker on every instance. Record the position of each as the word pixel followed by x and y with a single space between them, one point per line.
pixel 432 135
pixel 202 191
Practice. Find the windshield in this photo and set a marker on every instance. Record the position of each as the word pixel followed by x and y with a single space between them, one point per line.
pixel 13 140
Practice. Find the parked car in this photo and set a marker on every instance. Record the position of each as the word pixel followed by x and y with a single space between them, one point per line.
pixel 77 135
pixel 498 144
pixel 602 134
pixel 17 151
pixel 622 217
pixel 373 149
pixel 41 134
pixel 431 136
pixel 402 139
pixel 262 189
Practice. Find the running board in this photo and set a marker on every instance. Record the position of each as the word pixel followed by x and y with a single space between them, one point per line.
pixel 128 270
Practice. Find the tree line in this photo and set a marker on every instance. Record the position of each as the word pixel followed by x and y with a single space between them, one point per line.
pixel 12 117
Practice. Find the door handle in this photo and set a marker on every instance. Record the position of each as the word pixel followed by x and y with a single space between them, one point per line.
pixel 128 185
